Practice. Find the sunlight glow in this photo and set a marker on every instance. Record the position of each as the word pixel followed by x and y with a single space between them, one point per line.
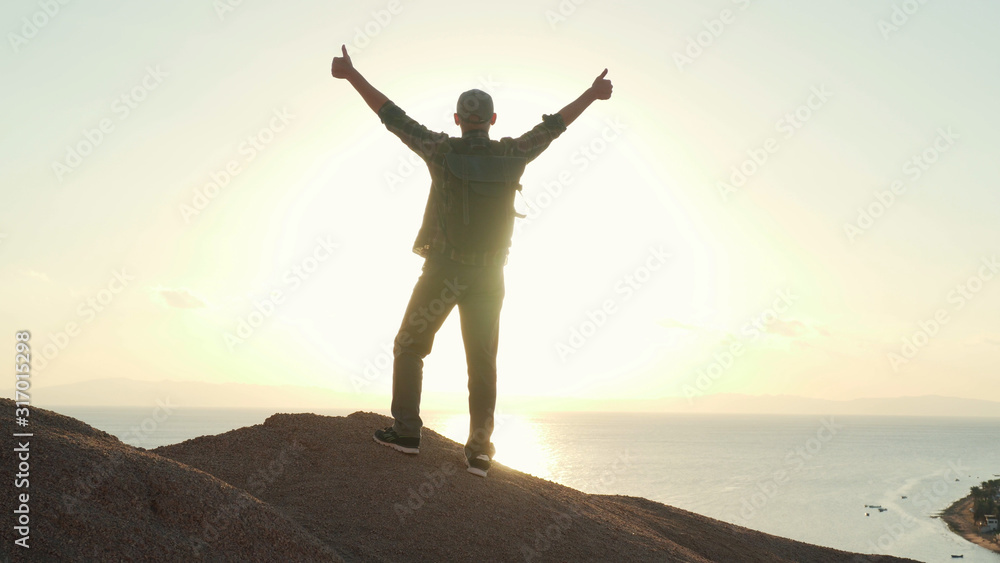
pixel 519 442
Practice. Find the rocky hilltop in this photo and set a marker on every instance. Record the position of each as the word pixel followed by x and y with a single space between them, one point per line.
pixel 305 487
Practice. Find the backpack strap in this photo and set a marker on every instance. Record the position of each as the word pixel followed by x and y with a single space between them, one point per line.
pixel 465 204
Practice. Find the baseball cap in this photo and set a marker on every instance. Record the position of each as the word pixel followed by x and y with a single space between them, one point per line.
pixel 475 106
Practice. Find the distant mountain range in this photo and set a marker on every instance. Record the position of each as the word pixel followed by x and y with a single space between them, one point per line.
pixel 132 392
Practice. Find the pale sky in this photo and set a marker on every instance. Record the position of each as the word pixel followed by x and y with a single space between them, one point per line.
pixel 120 259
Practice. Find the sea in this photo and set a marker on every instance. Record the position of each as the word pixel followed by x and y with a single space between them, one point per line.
pixel 860 484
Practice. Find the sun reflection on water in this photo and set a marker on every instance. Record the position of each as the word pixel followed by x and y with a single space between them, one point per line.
pixel 520 443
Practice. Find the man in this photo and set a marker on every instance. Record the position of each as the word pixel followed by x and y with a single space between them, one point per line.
pixel 455 272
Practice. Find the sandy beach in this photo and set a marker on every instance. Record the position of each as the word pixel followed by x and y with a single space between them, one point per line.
pixel 959 519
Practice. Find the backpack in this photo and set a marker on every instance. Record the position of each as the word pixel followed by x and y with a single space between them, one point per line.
pixel 479 201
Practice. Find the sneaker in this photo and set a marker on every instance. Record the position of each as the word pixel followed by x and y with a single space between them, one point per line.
pixel 388 437
pixel 478 465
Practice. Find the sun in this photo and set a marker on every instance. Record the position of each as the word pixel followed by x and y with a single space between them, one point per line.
pixel 519 441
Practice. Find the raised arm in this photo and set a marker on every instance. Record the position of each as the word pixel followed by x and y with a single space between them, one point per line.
pixel 599 90
pixel 343 68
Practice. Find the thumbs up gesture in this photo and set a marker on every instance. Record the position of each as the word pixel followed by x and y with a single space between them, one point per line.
pixel 601 86
pixel 342 66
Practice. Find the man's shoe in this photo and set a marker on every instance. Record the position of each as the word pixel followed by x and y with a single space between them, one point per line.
pixel 388 437
pixel 478 465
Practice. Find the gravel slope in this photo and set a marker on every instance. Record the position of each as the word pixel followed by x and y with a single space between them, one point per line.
pixel 316 488
pixel 93 498
pixel 372 503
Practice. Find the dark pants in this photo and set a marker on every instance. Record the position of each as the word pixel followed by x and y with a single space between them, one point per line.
pixel 478 291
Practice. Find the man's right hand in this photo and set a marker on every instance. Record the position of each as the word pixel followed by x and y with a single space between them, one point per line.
pixel 342 66
pixel 601 86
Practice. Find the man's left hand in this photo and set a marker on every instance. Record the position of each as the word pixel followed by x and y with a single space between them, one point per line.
pixel 601 86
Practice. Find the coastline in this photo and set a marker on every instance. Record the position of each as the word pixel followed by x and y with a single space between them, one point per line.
pixel 959 521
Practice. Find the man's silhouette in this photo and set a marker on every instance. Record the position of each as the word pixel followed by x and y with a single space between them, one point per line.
pixel 458 271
